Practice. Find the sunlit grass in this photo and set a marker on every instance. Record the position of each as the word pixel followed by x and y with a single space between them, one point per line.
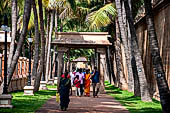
pixel 28 104
pixel 52 86
pixel 133 104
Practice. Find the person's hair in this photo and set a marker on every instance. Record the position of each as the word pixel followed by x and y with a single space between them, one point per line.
pixel 95 67
pixel 77 76
pixel 66 73
pixel 87 71
pixel 77 70
pixel 80 70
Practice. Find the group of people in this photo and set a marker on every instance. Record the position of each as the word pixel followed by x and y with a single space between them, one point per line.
pixel 81 79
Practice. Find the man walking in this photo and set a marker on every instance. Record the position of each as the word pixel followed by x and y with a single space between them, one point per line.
pixel 95 82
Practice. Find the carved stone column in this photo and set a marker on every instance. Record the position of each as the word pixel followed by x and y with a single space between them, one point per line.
pixel 61 51
pixel 101 67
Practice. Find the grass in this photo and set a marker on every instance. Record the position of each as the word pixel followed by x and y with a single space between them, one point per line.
pixel 133 104
pixel 52 86
pixel 28 104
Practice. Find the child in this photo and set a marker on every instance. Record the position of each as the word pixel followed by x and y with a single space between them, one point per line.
pixel 77 84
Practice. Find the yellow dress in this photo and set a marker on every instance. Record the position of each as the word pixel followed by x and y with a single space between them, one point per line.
pixel 87 85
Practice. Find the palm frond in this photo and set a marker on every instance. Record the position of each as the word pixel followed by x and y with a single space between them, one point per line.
pixel 72 4
pixel 101 17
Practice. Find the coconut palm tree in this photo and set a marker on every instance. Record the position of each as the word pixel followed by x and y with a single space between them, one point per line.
pixel 124 41
pixel 156 59
pixel 42 55
pixel 121 82
pixel 26 17
pixel 14 30
pixel 145 96
pixel 49 42
pixel 99 19
pixel 36 40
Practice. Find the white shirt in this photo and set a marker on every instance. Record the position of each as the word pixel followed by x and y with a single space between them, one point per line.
pixel 72 77
pixel 81 77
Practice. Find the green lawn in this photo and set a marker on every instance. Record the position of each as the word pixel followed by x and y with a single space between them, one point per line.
pixel 52 86
pixel 133 104
pixel 28 104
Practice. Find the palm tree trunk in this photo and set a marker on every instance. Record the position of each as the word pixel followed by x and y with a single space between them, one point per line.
pixel 41 68
pixel 124 41
pixel 26 18
pixel 47 37
pixel 156 59
pixel 145 96
pixel 122 83
pixel 134 78
pixel 14 30
pixel 48 24
pixel 56 21
pixel 23 50
pixel 49 44
pixel 36 41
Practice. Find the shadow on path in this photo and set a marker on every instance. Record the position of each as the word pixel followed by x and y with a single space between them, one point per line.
pixel 103 104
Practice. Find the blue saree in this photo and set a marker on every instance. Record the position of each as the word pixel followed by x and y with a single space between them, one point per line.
pixel 64 89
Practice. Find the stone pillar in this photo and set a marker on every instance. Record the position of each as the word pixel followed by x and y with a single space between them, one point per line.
pixel 50 80
pixel 60 62
pixel 101 67
pixel 29 90
pixel 43 85
pixel 61 51
pixel 5 101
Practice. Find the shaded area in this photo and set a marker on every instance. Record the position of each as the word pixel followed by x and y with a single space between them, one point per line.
pixel 132 103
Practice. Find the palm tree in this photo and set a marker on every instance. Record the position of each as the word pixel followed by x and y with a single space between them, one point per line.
pixel 122 83
pixel 133 80
pixel 145 96
pixel 42 57
pixel 100 18
pixel 124 41
pixel 49 43
pixel 47 36
pixel 156 59
pixel 14 30
pixel 36 40
pixel 26 17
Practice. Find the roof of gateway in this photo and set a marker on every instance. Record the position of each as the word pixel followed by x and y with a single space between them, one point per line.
pixel 82 38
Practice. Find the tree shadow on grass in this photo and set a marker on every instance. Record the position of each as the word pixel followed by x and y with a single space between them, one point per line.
pixel 49 92
pixel 145 110
pixel 132 98
pixel 133 103
pixel 25 104
pixel 113 92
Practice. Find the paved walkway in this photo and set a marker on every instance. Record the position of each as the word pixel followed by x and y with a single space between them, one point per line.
pixel 103 104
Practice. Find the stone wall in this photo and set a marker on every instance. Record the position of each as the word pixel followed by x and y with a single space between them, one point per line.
pixel 162 25
pixel 19 78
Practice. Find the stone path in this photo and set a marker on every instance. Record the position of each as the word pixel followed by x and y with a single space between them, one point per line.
pixel 103 104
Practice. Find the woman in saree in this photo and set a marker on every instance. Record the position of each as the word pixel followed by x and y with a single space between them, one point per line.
pixel 64 89
pixel 87 83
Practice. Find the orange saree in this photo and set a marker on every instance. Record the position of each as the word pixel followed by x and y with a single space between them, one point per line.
pixel 87 85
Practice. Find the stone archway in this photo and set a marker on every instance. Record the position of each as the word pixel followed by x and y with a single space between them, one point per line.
pixel 92 40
